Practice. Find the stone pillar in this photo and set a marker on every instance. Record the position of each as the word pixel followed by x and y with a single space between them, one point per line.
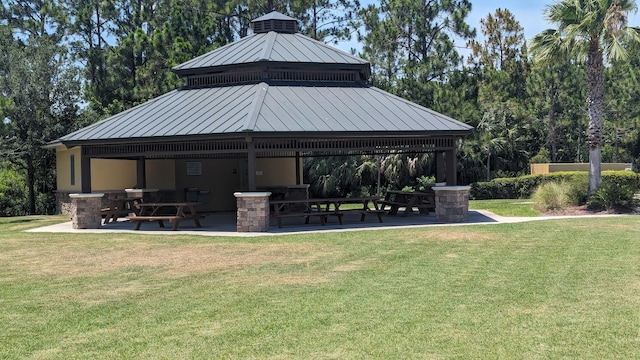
pixel 253 211
pixel 86 210
pixel 452 203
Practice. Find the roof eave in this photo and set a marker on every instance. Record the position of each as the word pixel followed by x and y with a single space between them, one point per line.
pixel 280 135
pixel 363 68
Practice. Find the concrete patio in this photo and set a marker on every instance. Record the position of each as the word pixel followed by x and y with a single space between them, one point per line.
pixel 224 224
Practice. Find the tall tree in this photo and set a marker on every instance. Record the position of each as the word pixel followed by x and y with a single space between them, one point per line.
pixel 44 88
pixel 503 47
pixel 330 20
pixel 411 43
pixel 41 83
pixel 595 30
pixel 504 134
pixel 90 27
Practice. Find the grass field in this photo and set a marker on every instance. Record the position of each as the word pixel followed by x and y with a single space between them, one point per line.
pixel 506 207
pixel 539 290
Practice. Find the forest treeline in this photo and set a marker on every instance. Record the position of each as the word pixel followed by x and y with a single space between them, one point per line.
pixel 67 63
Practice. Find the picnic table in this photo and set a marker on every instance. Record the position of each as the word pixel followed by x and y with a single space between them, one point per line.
pixel 324 207
pixel 423 201
pixel 174 212
pixel 121 206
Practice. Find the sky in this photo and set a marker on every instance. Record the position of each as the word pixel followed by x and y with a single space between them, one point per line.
pixel 529 13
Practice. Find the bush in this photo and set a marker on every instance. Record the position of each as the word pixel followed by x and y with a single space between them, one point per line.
pixel 578 189
pixel 523 187
pixel 13 194
pixel 616 192
pixel 552 196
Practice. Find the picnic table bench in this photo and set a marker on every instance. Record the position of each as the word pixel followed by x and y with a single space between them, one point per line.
pixel 174 212
pixel 423 201
pixel 323 208
pixel 121 206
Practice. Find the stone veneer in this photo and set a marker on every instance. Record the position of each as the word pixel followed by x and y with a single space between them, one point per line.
pixel 87 211
pixel 452 203
pixel 64 205
pixel 253 211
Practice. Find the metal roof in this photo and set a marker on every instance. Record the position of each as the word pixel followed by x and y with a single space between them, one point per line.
pixel 270 47
pixel 254 109
pixel 274 15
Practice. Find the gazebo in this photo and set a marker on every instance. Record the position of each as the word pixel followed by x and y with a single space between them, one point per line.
pixel 250 111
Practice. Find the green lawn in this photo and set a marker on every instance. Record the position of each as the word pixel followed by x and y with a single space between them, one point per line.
pixel 506 207
pixel 538 290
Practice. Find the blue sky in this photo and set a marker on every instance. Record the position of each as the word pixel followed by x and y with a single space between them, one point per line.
pixel 528 13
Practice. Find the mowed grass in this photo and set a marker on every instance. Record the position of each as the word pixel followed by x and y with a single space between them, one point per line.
pixel 506 207
pixel 539 290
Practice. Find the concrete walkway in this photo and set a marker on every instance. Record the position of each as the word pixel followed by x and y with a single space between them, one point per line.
pixel 223 224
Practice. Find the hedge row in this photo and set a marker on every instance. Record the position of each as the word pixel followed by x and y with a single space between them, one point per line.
pixel 523 187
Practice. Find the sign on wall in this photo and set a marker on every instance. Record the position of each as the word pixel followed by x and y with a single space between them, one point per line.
pixel 194 168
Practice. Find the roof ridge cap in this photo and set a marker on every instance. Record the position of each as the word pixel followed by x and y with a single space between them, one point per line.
pixel 268 46
pixel 256 106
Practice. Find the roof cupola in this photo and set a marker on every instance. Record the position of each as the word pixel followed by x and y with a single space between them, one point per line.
pixel 275 21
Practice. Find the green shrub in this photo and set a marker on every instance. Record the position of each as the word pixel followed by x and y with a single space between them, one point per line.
pixel 551 196
pixel 13 193
pixel 615 193
pixel 578 189
pixel 523 187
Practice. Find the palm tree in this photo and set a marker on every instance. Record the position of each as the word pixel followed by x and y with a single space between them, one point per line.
pixel 593 30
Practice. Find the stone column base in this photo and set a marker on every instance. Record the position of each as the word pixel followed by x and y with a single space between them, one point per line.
pixel 253 211
pixel 452 203
pixel 86 211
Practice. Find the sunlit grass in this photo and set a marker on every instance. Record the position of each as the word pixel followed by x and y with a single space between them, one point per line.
pixel 546 289
pixel 506 207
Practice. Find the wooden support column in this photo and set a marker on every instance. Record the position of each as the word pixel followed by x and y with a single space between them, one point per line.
pixel 85 174
pixel 298 177
pixel 440 167
pixel 251 164
pixel 452 167
pixel 141 173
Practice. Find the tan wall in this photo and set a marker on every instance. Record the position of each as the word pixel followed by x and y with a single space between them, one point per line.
pixel 107 174
pixel 270 172
pixel 161 174
pixel 63 169
pixel 219 176
pixel 557 167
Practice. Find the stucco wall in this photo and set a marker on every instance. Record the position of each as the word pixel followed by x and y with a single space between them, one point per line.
pixel 107 174
pixel 556 167
pixel 221 177
pixel 161 174
pixel 63 169
pixel 281 171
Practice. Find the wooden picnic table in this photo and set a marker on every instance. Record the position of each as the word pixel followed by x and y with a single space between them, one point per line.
pixel 423 201
pixel 120 206
pixel 174 212
pixel 324 207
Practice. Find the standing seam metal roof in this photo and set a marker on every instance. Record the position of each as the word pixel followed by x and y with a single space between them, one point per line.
pixel 271 46
pixel 279 108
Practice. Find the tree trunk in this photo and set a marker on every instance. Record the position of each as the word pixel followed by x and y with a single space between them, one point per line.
pixel 31 184
pixel 595 95
pixel 552 137
pixel 489 166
